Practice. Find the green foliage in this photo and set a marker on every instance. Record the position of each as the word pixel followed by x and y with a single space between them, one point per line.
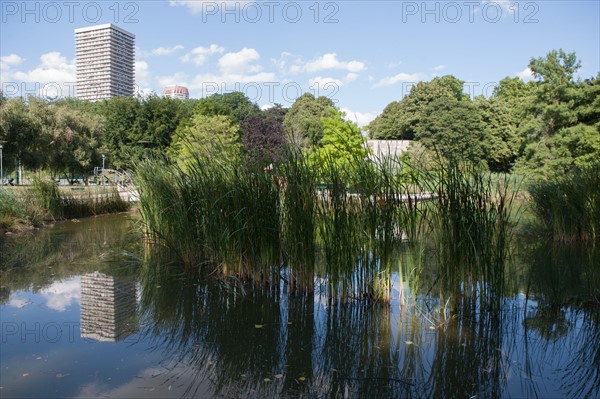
pixel 303 122
pixel 235 105
pixel 453 128
pixel 569 207
pixel 76 141
pixel 11 209
pixel 141 128
pixel 46 198
pixel 237 221
pixel 400 120
pixel 342 144
pixel 23 129
pixel 214 137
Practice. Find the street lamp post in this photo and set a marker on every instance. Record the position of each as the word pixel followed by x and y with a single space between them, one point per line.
pixel 1 168
pixel 103 156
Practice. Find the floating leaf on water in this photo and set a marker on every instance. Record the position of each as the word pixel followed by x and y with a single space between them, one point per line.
pixel 258 326
pixel 267 380
pixel 24 374
pixel 169 387
pixel 61 375
pixel 289 323
pixel 408 342
pixel 334 371
pixel 278 376
pixel 38 358
pixel 243 376
pixel 301 379
pixel 431 327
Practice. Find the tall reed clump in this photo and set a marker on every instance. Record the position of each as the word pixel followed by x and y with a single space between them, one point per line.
pixel 12 209
pixel 338 233
pixel 569 207
pixel 44 200
pixel 221 218
pixel 472 212
pixel 298 184
pixel 389 214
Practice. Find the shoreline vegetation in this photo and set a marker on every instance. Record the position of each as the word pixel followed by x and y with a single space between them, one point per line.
pixel 294 198
pixel 44 202
pixel 357 232
pixel 343 226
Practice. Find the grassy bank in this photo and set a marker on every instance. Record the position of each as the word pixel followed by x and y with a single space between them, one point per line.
pixel 44 202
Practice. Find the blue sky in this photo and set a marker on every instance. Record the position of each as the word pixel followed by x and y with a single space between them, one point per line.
pixel 362 54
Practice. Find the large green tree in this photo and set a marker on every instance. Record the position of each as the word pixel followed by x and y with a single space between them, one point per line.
pixel 24 132
pixel 215 137
pixel 400 120
pixel 342 144
pixel 303 123
pixel 235 105
pixel 562 127
pixel 454 129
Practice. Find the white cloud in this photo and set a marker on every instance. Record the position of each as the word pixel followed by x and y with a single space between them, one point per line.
pixel 351 77
pixel 203 6
pixel 526 74
pixel 439 67
pixel 179 78
pixel 142 72
pixel 166 50
pixel 361 119
pixel 324 83
pixel 16 302
pixel 240 62
pixel 235 69
pixel 392 65
pixel 401 77
pixel 199 55
pixel 330 61
pixel 53 68
pixel 507 6
pixel 8 61
pixel 61 294
pixel 288 62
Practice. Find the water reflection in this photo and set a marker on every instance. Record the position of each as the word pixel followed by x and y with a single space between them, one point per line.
pixel 108 307
pixel 260 343
pixel 188 337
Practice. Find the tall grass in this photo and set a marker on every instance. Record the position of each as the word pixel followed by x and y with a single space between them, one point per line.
pixel 44 202
pixel 569 208
pixel 473 231
pixel 219 217
pixel 304 223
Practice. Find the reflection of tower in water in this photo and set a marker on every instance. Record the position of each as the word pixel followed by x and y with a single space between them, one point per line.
pixel 108 308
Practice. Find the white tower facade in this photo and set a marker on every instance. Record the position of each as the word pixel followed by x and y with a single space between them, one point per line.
pixel 105 62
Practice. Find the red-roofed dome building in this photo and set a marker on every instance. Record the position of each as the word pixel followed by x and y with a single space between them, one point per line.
pixel 178 92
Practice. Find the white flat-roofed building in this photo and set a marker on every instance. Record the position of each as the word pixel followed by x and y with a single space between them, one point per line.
pixel 178 92
pixel 105 62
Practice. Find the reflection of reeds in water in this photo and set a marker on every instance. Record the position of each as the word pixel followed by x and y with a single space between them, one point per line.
pixel 259 342
pixel 473 230
pixel 302 223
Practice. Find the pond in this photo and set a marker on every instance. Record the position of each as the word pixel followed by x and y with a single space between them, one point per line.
pixel 85 312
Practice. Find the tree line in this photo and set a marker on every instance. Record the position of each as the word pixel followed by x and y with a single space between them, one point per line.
pixel 545 126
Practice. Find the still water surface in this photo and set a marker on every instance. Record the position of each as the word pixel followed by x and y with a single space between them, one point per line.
pixel 84 314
